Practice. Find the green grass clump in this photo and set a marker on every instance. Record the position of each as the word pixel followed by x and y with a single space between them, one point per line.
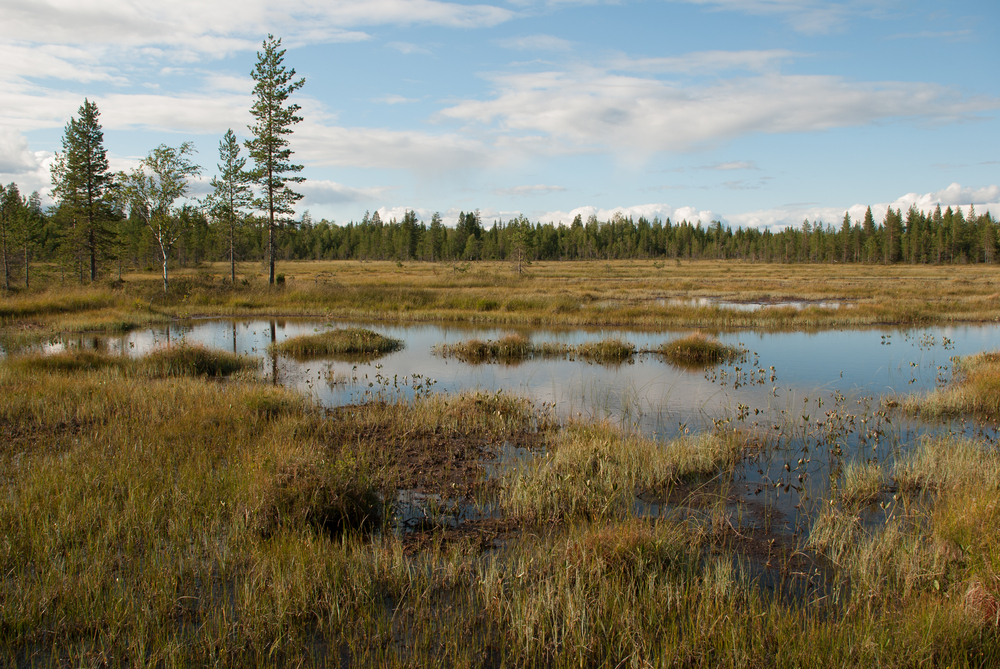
pixel 340 342
pixel 863 483
pixel 595 470
pixel 509 349
pixel 975 390
pixel 698 349
pixel 605 351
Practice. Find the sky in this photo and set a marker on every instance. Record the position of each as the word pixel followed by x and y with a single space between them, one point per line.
pixel 752 112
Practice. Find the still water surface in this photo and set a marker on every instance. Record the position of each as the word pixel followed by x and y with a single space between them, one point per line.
pixel 813 397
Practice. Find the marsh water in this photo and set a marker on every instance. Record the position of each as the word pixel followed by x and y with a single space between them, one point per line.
pixel 813 399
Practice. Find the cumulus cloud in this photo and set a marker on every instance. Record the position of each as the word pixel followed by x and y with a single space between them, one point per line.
pixel 650 211
pixel 641 115
pixel 539 189
pixel 536 43
pixel 985 199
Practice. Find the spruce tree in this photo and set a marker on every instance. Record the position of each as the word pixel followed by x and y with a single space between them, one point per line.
pixel 269 146
pixel 232 194
pixel 83 184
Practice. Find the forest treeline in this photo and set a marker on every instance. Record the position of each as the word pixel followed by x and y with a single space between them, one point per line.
pixel 125 243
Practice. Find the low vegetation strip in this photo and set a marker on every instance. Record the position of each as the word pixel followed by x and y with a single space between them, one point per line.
pixel 516 348
pixel 342 341
pixel 974 390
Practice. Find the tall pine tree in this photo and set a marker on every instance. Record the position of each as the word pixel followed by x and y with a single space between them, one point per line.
pixel 269 146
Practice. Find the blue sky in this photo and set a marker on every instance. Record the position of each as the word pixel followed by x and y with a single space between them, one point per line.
pixel 753 112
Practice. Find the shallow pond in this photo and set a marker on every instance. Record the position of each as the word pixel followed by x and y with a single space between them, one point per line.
pixel 811 397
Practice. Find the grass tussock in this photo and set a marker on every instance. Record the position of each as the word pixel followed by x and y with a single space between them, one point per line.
pixel 606 351
pixel 975 390
pixel 863 483
pixel 180 360
pixel 339 342
pixel 596 471
pixel 698 349
pixel 509 349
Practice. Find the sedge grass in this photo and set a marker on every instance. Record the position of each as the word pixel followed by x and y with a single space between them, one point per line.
pixel 339 342
pixel 975 390
pixel 595 471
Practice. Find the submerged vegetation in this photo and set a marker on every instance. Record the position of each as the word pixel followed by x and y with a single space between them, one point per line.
pixel 339 342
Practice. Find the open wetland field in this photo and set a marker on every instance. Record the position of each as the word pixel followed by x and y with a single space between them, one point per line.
pixel 634 464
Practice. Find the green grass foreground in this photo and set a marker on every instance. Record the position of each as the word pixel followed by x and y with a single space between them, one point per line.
pixel 339 342
pixel 174 521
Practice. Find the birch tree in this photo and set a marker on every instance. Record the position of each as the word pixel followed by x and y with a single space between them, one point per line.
pixel 151 190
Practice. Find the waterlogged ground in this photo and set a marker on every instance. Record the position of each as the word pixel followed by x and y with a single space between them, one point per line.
pixel 811 401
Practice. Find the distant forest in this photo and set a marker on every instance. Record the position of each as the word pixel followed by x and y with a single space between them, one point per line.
pixel 29 233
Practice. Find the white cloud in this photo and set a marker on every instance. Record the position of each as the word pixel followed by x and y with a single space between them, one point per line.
pixel 806 16
pixel 318 191
pixel 706 62
pixel 638 115
pixel 395 100
pixel 733 165
pixel 536 43
pixel 407 48
pixel 377 147
pixel 192 27
pixel 517 191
